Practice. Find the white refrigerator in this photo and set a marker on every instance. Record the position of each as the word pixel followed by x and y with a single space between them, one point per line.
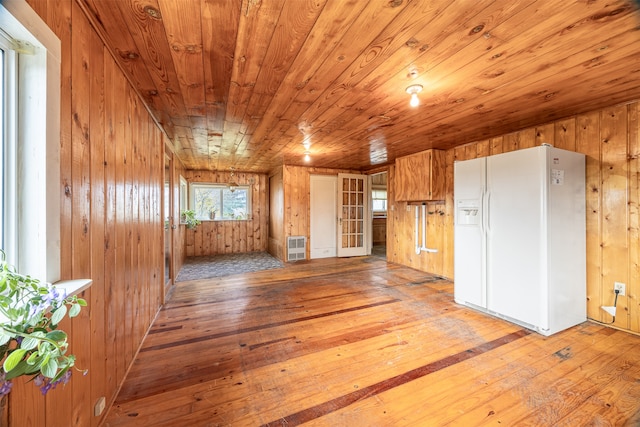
pixel 519 237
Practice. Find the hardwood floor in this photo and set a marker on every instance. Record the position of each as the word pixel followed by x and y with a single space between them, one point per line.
pixel 360 342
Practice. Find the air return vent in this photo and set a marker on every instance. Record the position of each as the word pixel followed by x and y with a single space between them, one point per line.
pixel 296 248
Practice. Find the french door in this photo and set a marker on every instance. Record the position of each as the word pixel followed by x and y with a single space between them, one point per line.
pixel 353 215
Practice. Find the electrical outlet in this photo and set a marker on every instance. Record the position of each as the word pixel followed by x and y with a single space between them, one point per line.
pixel 99 407
pixel 617 286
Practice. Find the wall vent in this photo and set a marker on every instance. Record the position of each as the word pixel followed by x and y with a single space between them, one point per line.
pixel 296 248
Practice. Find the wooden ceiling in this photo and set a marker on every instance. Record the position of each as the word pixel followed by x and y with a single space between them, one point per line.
pixel 244 83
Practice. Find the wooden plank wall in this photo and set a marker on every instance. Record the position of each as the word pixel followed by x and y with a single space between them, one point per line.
pixel 610 140
pixel 223 237
pixel 276 216
pixel 111 229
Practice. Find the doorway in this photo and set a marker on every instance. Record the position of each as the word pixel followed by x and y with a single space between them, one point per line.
pixel 339 216
pixel 168 225
pixel 354 236
pixel 379 214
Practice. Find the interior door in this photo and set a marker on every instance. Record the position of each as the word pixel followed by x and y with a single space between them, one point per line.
pixel 324 219
pixel 353 215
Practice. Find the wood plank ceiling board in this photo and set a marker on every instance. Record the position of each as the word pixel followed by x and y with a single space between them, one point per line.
pixel 440 64
pixel 243 84
pixel 107 22
pixel 182 25
pixel 220 21
pixel 338 53
pixel 464 91
pixel 435 33
pixel 553 70
pixel 293 27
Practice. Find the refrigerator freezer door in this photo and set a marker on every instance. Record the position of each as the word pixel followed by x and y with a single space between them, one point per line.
pixel 469 243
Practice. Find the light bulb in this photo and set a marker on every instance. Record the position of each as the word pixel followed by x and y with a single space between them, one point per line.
pixel 415 101
pixel 307 157
pixel 413 90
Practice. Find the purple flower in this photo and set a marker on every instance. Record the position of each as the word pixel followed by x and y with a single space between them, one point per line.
pixel 38 308
pixel 5 388
pixel 54 298
pixel 46 384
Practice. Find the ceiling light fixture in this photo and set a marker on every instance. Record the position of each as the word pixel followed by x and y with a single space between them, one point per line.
pixel 307 156
pixel 413 90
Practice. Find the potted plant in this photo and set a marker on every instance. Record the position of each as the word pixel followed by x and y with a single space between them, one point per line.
pixel 189 218
pixel 30 342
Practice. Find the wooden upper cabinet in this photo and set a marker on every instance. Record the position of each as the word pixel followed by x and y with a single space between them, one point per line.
pixel 420 177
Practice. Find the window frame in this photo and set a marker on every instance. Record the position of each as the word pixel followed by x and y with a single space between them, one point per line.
pixel 222 188
pixel 8 234
pixel 378 212
pixel 35 249
pixel 183 196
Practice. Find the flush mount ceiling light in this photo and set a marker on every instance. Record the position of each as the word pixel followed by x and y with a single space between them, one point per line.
pixel 413 90
pixel 307 156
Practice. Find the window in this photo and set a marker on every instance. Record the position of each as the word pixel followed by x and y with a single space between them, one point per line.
pixel 379 201
pixel 30 159
pixel 8 71
pixel 218 202
pixel 183 194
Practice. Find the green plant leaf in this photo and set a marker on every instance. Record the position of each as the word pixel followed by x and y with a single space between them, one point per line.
pixel 58 315
pixel 13 359
pixel 82 302
pixel 49 370
pixel 57 335
pixel 75 310
pixel 20 369
pixel 33 358
pixel 4 338
pixel 31 342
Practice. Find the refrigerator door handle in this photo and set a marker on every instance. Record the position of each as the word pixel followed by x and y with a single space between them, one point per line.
pixel 487 212
pixel 482 208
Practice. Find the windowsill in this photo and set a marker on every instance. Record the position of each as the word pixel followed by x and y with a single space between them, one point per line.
pixel 73 287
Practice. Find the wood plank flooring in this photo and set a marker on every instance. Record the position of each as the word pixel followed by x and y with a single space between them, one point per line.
pixel 362 342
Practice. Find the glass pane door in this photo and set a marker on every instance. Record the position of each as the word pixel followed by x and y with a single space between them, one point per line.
pixel 353 202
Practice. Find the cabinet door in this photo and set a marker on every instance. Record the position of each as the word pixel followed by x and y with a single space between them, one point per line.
pixel 437 165
pixel 420 177
pixel 419 182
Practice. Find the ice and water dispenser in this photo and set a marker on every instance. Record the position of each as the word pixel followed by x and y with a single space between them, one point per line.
pixel 468 212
